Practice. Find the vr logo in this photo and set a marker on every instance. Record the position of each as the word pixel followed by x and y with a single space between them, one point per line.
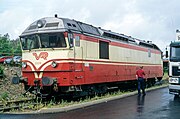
pixel 42 55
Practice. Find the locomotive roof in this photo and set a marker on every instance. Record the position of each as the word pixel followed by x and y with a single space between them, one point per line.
pixel 56 24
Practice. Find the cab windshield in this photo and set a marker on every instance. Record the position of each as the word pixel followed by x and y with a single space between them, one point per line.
pixel 175 53
pixel 49 40
pixel 30 42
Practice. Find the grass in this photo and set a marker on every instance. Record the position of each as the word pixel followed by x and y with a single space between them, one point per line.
pixel 64 103
pixel 166 76
pixel 4 96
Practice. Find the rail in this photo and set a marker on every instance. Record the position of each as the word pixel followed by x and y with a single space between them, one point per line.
pixel 16 104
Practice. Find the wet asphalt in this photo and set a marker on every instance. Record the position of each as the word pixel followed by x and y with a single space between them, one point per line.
pixel 157 104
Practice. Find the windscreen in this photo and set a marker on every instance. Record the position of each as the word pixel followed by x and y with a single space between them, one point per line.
pixel 30 42
pixel 49 40
pixel 175 54
pixel 52 40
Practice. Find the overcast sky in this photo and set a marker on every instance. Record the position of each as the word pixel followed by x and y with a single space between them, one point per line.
pixel 154 20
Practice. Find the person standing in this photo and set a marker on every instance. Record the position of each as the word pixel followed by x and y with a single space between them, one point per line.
pixel 140 75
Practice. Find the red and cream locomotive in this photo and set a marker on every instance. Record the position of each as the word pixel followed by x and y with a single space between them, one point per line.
pixel 64 56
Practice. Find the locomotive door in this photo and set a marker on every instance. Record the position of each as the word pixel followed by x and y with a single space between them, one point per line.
pixel 74 42
pixel 78 54
pixel 78 61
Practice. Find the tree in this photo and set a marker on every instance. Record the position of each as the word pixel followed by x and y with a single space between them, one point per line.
pixel 9 47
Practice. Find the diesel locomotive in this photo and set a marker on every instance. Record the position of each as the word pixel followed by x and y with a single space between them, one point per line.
pixel 64 56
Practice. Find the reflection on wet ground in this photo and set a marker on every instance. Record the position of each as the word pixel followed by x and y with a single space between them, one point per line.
pixel 140 104
pixel 157 104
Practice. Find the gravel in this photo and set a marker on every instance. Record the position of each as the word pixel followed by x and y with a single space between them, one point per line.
pixel 10 91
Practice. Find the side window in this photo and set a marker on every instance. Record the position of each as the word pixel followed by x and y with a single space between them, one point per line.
pixel 149 52
pixel 70 38
pixel 103 50
pixel 77 41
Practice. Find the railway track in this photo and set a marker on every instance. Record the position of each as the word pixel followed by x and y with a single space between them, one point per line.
pixel 30 103
pixel 6 106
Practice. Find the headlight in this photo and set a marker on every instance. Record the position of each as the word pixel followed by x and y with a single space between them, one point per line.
pixel 174 80
pixel 54 64
pixel 24 64
pixel 40 23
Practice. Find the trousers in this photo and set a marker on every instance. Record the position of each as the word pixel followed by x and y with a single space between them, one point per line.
pixel 141 85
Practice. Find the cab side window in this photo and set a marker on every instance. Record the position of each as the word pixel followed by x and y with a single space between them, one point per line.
pixel 70 38
pixel 103 50
pixel 77 41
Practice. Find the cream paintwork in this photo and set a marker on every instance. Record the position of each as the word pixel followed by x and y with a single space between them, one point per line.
pixel 91 50
pixel 118 54
pixel 52 54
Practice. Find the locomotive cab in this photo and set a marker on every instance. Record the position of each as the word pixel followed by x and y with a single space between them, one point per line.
pixel 48 62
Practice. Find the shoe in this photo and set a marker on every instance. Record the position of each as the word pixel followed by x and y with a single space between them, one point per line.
pixel 144 94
